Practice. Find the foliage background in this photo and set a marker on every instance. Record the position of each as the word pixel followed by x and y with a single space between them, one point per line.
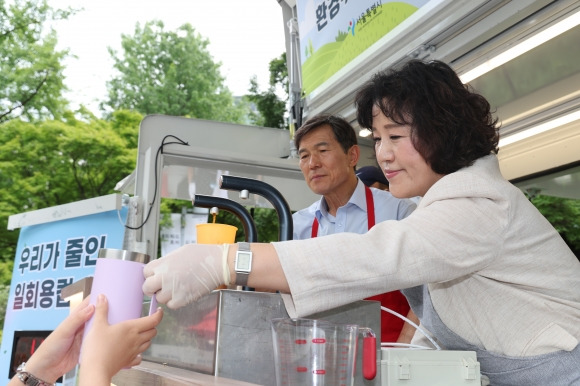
pixel 52 156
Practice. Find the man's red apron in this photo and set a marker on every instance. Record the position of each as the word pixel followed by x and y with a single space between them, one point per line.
pixel 390 324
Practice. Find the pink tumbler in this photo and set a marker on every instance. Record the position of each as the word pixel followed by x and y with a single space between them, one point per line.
pixel 119 276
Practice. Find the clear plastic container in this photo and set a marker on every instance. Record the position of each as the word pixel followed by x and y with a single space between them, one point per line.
pixel 318 352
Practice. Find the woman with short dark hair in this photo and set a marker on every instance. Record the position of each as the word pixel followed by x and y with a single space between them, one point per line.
pixel 451 126
pixel 481 267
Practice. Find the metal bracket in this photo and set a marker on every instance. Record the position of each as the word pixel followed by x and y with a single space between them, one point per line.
pixel 469 368
pixel 405 369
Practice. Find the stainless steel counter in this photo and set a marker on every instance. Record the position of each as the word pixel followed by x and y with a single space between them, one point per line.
pixel 154 374
pixel 228 334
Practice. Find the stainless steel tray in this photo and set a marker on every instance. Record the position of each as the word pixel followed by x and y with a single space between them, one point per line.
pixel 228 334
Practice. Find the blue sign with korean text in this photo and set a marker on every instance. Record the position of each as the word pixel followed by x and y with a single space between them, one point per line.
pixel 49 257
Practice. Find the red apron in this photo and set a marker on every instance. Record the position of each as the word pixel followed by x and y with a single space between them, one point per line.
pixel 391 325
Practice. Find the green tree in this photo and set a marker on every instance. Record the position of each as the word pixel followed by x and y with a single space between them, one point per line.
pixel 564 215
pixel 271 108
pixel 4 292
pixel 57 162
pixel 172 73
pixel 31 73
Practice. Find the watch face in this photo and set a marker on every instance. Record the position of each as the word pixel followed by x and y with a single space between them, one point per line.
pixel 243 261
pixel 25 343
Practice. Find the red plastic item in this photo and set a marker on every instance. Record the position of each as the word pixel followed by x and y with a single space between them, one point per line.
pixel 369 365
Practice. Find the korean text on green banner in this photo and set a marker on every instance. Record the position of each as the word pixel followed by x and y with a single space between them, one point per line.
pixel 334 32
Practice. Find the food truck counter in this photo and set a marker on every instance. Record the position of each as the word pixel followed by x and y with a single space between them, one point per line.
pixel 155 374
pixel 228 334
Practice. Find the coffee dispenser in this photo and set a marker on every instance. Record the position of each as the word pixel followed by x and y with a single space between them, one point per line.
pixel 237 209
pixel 228 332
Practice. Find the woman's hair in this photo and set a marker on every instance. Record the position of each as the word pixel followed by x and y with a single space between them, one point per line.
pixel 343 131
pixel 451 126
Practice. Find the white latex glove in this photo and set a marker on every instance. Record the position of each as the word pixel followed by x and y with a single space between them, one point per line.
pixel 187 274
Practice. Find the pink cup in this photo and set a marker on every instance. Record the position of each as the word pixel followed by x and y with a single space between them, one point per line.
pixel 119 276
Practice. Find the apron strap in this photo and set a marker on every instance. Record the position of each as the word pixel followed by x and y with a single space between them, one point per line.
pixel 370 207
pixel 370 213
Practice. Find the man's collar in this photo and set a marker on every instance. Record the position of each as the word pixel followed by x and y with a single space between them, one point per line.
pixel 358 198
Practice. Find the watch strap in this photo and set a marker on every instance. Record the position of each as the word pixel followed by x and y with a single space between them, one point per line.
pixel 242 277
pixel 28 379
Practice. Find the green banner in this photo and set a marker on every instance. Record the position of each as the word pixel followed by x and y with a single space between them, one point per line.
pixel 334 32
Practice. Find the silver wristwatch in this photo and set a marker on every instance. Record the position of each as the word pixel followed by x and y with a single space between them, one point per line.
pixel 29 379
pixel 243 263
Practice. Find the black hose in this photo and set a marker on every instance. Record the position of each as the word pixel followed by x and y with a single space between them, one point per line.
pixel 250 232
pixel 285 231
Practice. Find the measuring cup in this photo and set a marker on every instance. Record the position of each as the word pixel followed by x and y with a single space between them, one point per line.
pixel 318 352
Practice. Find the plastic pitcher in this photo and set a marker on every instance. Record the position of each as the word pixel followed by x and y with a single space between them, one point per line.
pixel 213 233
pixel 318 352
pixel 119 276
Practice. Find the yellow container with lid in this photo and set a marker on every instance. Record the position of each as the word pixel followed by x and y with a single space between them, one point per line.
pixel 212 233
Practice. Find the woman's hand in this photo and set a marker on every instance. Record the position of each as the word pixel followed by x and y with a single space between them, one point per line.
pixel 109 348
pixel 186 274
pixel 59 352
